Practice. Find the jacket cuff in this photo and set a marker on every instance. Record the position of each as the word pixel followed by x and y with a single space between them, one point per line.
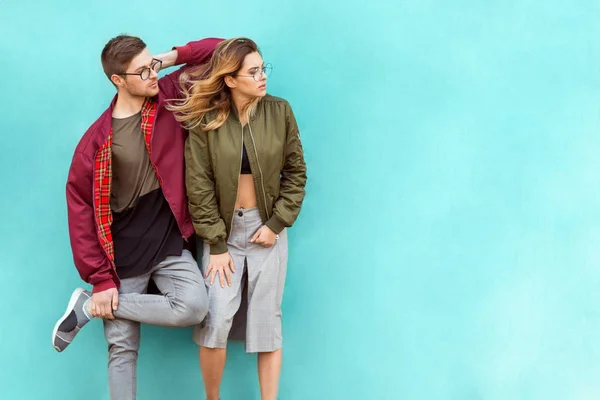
pixel 275 224
pixel 104 285
pixel 184 53
pixel 219 247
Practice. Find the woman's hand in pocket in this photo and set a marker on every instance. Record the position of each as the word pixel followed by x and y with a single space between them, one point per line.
pixel 264 236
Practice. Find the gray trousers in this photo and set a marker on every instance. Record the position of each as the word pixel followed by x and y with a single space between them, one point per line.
pixel 266 270
pixel 183 303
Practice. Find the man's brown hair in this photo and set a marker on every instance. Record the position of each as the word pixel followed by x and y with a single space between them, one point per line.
pixel 118 53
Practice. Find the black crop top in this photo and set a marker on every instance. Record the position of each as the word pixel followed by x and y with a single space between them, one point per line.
pixel 245 163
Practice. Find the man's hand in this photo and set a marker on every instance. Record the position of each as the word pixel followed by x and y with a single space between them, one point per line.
pixel 104 303
pixel 264 236
pixel 168 59
pixel 220 264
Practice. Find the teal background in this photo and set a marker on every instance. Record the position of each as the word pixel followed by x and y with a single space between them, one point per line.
pixel 449 243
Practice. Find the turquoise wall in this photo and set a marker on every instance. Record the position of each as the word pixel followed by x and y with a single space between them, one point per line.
pixel 449 243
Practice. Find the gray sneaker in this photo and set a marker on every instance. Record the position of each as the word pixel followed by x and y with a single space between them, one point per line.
pixel 72 321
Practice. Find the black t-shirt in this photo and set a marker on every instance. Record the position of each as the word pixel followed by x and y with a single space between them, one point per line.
pixel 145 235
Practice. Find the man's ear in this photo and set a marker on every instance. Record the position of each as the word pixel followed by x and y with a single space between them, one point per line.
pixel 117 80
pixel 230 82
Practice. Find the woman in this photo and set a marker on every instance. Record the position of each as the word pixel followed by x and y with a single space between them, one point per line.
pixel 245 178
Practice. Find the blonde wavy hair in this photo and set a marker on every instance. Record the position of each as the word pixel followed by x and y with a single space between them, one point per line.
pixel 205 91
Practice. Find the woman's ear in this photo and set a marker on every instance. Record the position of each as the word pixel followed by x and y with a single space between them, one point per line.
pixel 230 82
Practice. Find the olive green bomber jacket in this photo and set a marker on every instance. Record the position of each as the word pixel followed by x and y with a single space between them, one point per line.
pixel 213 162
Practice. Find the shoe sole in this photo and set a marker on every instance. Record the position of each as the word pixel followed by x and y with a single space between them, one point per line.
pixel 70 307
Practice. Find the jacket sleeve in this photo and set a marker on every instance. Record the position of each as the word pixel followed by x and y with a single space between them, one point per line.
pixel 202 198
pixel 293 179
pixel 196 52
pixel 90 259
pixel 192 54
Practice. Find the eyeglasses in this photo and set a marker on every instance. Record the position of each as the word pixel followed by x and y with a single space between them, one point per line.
pixel 267 69
pixel 144 74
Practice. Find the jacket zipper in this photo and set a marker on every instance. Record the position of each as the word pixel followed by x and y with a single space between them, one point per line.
pixel 237 188
pixel 262 182
pixel 159 177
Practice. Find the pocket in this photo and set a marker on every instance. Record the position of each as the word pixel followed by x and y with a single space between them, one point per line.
pixel 282 246
pixel 273 198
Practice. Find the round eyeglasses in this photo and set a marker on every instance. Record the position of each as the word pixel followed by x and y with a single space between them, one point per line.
pixel 257 73
pixel 144 74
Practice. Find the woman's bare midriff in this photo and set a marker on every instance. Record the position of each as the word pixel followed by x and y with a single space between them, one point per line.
pixel 246 197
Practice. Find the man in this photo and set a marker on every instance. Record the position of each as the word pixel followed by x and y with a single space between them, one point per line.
pixel 127 210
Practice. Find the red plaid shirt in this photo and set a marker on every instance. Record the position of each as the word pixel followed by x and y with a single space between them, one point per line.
pixel 103 180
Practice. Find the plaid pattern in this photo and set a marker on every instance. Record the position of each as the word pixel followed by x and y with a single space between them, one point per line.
pixel 148 115
pixel 103 179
